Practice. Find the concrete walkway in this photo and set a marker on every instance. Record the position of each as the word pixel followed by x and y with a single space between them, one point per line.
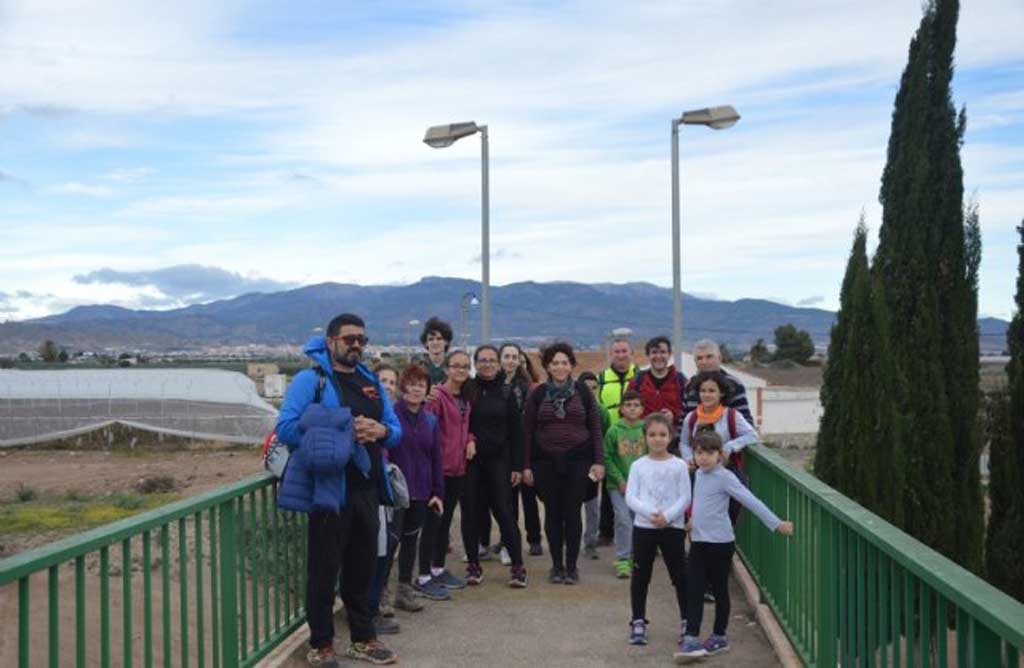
pixel 492 626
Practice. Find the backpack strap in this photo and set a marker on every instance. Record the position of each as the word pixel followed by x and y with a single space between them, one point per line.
pixel 321 382
pixel 731 420
pixel 692 424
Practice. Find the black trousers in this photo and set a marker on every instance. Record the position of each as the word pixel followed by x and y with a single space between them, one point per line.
pixel 409 529
pixel 606 525
pixel 438 527
pixel 488 488
pixel 347 540
pixel 562 493
pixel 646 543
pixel 709 564
pixel 531 515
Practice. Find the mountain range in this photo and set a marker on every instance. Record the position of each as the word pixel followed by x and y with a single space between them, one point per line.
pixel 528 312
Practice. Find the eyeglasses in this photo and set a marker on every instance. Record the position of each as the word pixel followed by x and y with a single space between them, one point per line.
pixel 351 339
pixel 487 361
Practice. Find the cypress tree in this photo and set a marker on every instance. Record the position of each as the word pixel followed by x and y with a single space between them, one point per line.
pixel 1005 538
pixel 859 443
pixel 922 261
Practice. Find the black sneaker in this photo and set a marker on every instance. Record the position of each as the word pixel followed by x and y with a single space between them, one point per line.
pixel 517 577
pixel 572 576
pixel 536 550
pixel 556 575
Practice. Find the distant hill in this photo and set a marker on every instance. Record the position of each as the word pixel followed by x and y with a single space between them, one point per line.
pixel 530 312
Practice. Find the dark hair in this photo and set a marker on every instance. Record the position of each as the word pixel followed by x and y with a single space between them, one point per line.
pixel 527 375
pixel 587 375
pixel 548 353
pixel 718 378
pixel 340 321
pixel 655 342
pixel 384 366
pixel 707 441
pixel 449 356
pixel 414 373
pixel 486 346
pixel 658 418
pixel 631 395
pixel 435 324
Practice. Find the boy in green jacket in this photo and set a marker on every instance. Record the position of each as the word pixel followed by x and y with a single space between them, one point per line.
pixel 623 445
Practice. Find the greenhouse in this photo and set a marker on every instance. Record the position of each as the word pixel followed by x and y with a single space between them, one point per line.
pixel 200 404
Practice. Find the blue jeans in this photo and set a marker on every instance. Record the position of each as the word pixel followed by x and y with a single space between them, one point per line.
pixel 623 525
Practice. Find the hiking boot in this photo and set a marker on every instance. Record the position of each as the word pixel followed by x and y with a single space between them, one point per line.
pixel 638 632
pixel 405 599
pixel 623 569
pixel 556 575
pixel 386 626
pixel 373 651
pixel 474 574
pixel 517 577
pixel 506 558
pixel 536 550
pixel 448 580
pixel 716 644
pixel 432 590
pixel 590 552
pixel 572 576
pixel 323 657
pixel 690 650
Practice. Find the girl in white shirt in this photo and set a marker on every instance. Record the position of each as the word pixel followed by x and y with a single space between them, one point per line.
pixel 658 492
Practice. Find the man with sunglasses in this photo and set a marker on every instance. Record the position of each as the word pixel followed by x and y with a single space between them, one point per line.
pixel 345 541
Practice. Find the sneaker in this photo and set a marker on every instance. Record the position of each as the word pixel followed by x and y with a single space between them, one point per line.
pixel 506 560
pixel 690 649
pixel 623 569
pixel 323 657
pixel 373 651
pixel 432 590
pixel 405 598
pixel 517 577
pixel 638 632
pixel 536 550
pixel 474 574
pixel 590 552
pixel 605 541
pixel 709 597
pixel 386 626
pixel 387 609
pixel 556 575
pixel 572 576
pixel 446 579
pixel 716 644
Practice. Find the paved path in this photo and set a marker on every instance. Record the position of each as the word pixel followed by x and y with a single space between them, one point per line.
pixel 545 625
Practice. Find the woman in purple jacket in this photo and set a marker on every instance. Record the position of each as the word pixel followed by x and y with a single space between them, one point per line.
pixel 418 455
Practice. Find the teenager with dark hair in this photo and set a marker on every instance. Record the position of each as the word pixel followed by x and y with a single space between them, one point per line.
pixel 564 455
pixel 436 337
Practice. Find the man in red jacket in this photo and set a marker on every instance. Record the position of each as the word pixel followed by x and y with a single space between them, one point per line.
pixel 661 387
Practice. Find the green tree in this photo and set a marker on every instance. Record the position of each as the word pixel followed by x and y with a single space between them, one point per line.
pixel 1005 537
pixel 725 353
pixel 923 262
pixel 759 352
pixel 793 344
pixel 62 356
pixel 49 351
pixel 859 448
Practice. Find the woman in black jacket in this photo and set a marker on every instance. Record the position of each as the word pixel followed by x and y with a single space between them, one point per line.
pixel 496 425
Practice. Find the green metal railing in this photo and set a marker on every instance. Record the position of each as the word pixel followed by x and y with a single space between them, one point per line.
pixel 216 580
pixel 851 589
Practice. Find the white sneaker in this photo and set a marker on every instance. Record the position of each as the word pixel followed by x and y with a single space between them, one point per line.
pixel 505 559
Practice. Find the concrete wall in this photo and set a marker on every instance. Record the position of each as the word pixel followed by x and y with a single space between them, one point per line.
pixel 790 410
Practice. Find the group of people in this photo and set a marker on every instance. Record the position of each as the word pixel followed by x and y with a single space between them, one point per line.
pixel 646 455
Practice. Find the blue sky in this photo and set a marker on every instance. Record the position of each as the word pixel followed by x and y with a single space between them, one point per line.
pixel 165 153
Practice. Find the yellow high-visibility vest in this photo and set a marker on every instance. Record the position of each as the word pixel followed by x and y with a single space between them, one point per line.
pixel 610 390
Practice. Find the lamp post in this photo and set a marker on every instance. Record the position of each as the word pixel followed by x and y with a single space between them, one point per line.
pixel 468 299
pixel 443 136
pixel 716 118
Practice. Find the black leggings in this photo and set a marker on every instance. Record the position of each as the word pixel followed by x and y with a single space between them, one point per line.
pixel 646 543
pixel 562 494
pixel 488 486
pixel 709 563
pixel 531 515
pixel 438 527
pixel 409 541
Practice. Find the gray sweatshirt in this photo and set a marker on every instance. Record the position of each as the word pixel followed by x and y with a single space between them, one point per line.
pixel 709 519
pixel 745 435
pixel 658 486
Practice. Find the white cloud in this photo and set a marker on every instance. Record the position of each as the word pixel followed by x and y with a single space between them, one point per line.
pixel 85 190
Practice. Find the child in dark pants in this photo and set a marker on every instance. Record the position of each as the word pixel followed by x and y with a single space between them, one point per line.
pixel 658 492
pixel 712 543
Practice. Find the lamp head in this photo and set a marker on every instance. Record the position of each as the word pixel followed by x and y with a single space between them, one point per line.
pixel 716 118
pixel 443 136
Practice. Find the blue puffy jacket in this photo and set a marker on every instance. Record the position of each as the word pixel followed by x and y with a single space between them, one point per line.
pixel 296 492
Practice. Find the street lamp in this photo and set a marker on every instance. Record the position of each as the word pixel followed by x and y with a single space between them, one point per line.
pixel 468 299
pixel 716 118
pixel 443 136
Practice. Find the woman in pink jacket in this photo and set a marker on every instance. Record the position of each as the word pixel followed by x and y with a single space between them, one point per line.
pixel 451 407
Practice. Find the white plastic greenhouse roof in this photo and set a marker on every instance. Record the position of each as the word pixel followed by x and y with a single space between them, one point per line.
pixel 207 404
